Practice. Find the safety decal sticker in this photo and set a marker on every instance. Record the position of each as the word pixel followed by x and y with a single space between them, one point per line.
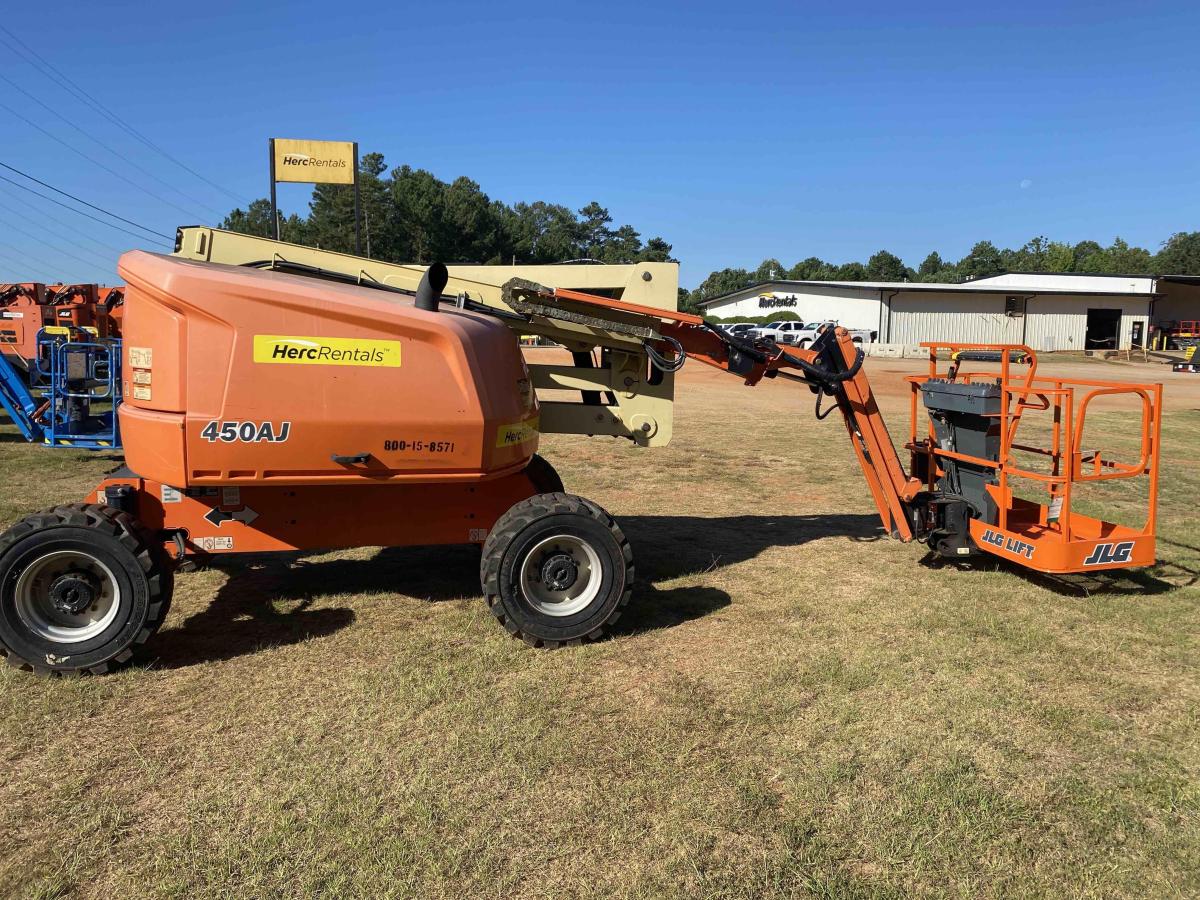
pixel 170 494
pixel 325 351
pixel 214 544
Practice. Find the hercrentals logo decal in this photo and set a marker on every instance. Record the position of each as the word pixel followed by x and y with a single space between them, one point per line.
pixel 303 159
pixel 325 351
pixel 517 433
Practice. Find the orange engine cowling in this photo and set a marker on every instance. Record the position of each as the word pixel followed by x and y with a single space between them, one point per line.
pixel 239 376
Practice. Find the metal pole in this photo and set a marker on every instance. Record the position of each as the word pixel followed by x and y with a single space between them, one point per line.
pixel 357 217
pixel 274 210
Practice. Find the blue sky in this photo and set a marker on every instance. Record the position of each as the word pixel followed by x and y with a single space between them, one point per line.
pixel 735 131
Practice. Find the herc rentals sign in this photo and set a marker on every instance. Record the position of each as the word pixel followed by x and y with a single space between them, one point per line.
pixel 314 162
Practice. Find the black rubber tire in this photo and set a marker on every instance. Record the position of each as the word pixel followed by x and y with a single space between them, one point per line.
pixel 545 479
pixel 144 572
pixel 517 532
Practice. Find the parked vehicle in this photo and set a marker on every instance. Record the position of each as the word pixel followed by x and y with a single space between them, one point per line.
pixel 780 332
pixel 806 334
pixel 737 329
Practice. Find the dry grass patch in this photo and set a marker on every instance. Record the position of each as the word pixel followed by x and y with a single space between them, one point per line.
pixel 793 706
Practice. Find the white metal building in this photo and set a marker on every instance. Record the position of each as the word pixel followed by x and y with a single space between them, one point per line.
pixel 1044 311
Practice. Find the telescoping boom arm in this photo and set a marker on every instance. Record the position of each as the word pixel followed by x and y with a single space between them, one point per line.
pixel 956 495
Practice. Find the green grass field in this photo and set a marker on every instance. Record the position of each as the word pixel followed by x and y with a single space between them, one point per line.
pixel 792 707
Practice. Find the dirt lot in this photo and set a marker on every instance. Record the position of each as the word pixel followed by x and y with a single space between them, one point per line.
pixel 793 706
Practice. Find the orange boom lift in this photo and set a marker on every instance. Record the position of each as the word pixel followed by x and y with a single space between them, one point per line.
pixel 267 411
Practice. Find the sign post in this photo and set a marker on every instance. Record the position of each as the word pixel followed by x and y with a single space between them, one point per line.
pixel 315 162
pixel 274 205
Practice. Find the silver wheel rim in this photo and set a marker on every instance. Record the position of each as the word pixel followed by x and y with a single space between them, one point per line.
pixel 547 599
pixel 37 610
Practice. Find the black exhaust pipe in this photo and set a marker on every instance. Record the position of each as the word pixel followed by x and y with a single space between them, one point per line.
pixel 429 291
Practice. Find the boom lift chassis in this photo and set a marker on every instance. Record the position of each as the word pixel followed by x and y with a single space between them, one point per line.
pixel 960 501
pixel 556 568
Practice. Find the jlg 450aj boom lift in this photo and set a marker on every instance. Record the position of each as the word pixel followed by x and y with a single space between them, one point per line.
pixel 267 411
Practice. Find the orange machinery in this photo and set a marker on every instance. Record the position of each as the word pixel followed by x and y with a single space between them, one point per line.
pixel 22 312
pixel 110 310
pixel 71 305
pixel 267 411
pixel 28 307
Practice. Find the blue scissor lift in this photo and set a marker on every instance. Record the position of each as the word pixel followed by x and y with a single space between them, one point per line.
pixel 75 373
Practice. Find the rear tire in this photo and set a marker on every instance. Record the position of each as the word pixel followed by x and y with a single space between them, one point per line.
pixel 556 570
pixel 80 587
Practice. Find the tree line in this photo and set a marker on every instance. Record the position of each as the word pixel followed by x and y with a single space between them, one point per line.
pixel 1178 255
pixel 410 215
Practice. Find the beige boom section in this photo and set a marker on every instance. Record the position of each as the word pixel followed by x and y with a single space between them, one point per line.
pixel 617 392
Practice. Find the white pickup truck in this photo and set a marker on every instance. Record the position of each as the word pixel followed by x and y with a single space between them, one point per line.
pixel 801 334
pixel 781 332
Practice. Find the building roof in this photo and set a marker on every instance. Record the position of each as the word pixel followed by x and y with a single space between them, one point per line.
pixel 1052 278
pixel 1106 282
pixel 1186 279
pixel 979 286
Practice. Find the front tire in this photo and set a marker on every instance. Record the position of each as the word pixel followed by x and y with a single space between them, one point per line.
pixel 556 570
pixel 80 587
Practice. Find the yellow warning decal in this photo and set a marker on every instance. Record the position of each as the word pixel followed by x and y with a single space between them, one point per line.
pixel 517 433
pixel 325 351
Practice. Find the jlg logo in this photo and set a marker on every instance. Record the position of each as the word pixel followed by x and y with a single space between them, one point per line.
pixel 1009 544
pixel 1104 554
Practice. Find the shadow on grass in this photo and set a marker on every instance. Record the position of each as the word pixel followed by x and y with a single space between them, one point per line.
pixel 267 600
pixel 1118 582
pixel 651 609
pixel 666 547
pixel 244 618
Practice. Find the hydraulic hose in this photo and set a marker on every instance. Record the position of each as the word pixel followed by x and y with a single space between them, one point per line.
pixel 826 379
pixel 738 344
pixel 661 362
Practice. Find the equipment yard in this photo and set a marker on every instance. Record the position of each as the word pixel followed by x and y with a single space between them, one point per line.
pixel 791 704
